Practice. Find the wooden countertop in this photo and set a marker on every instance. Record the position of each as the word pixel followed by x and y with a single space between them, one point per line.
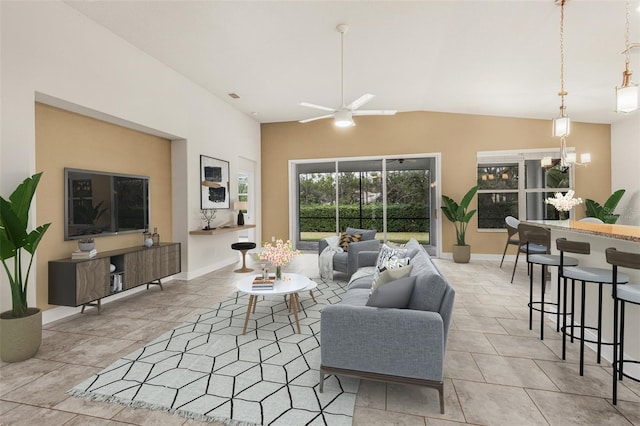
pixel 222 230
pixel 621 232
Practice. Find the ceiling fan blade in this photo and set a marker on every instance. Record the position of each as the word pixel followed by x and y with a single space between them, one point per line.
pixel 360 101
pixel 324 108
pixel 315 118
pixel 375 112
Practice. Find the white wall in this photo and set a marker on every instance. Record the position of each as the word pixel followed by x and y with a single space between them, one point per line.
pixel 51 51
pixel 625 161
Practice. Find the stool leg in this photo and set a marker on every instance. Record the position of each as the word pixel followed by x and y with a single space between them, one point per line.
pixel 615 351
pixel 582 303
pixel 564 320
pixel 573 306
pixel 530 301
pixel 558 304
pixel 621 369
pixel 542 288
pixel 599 320
pixel 312 296
pixel 244 259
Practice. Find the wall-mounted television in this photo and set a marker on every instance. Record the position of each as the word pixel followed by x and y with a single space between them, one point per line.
pixel 98 204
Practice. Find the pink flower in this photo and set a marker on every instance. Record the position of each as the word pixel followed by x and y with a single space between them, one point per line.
pixel 279 253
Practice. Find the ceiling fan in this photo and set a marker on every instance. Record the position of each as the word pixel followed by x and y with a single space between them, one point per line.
pixel 344 114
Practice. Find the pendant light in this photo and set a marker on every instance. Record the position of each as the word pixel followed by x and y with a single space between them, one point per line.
pixel 562 124
pixel 627 92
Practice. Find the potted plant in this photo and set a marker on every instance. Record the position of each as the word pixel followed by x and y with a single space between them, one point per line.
pixel 21 327
pixel 86 244
pixel 458 214
pixel 605 213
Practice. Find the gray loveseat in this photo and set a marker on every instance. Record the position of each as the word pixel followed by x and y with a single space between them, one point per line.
pixel 347 262
pixel 388 344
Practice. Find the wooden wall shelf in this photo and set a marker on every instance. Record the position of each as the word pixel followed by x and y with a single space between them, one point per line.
pixel 221 230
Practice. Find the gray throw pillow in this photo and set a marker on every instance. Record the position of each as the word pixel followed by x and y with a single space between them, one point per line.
pixel 395 294
pixel 391 275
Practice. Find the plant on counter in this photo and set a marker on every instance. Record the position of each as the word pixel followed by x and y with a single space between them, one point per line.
pixel 564 202
pixel 605 213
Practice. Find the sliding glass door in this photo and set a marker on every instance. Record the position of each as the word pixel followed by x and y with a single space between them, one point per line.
pixel 392 195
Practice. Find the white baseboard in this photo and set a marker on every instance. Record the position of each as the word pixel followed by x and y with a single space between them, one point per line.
pixel 481 256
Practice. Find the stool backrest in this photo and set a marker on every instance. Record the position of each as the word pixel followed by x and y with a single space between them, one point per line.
pixel 579 247
pixel 534 234
pixel 530 234
pixel 621 258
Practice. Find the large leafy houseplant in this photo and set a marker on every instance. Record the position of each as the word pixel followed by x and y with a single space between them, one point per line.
pixel 605 213
pixel 16 238
pixel 459 213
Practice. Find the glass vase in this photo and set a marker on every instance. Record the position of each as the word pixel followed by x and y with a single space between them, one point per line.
pixel 562 215
pixel 278 272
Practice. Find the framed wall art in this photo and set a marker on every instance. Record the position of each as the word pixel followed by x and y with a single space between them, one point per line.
pixel 214 183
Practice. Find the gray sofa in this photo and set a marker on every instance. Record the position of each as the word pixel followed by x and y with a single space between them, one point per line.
pixel 388 344
pixel 347 262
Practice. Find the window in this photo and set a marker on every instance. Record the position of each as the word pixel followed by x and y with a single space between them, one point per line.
pixel 515 184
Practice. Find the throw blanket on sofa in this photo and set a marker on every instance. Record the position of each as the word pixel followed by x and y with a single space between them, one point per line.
pixel 325 260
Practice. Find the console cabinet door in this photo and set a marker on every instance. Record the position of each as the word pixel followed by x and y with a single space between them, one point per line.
pixel 165 261
pixel 92 280
pixel 150 264
pixel 134 268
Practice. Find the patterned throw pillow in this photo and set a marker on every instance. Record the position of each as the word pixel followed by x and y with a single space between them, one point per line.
pixel 346 239
pixel 388 253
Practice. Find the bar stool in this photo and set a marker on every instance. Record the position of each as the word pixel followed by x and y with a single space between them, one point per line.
pixel 621 294
pixel 511 223
pixel 585 275
pixel 243 247
pixel 532 248
pixel 541 237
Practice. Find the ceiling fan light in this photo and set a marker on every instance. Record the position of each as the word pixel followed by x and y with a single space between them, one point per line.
pixel 561 126
pixel 571 158
pixel 585 158
pixel 546 162
pixel 344 119
pixel 627 98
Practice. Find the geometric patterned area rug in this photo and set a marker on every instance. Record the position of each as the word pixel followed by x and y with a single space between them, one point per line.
pixel 207 370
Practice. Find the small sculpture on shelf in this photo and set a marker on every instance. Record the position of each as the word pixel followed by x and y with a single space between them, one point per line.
pixel 155 237
pixel 208 215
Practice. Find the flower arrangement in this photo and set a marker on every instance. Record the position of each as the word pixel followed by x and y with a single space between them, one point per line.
pixel 279 254
pixel 563 203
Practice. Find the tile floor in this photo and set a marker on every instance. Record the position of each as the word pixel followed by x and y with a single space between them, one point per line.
pixel 497 371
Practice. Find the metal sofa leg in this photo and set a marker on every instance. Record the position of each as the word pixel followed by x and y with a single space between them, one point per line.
pixel 321 380
pixel 441 395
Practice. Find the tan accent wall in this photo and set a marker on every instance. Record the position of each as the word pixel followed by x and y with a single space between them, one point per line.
pixel 456 136
pixel 65 139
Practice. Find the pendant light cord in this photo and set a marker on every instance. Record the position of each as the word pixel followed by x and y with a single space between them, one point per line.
pixel 342 69
pixel 562 92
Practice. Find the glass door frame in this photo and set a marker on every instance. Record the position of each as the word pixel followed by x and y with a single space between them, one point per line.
pixel 435 193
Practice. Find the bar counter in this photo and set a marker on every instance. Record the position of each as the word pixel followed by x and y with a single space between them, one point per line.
pixel 600 237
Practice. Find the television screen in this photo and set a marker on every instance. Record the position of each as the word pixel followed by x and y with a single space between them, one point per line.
pixel 101 203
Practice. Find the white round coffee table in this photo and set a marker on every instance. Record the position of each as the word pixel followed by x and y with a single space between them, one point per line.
pixel 289 284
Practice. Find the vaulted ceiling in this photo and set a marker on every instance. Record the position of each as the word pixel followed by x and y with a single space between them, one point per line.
pixel 478 57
